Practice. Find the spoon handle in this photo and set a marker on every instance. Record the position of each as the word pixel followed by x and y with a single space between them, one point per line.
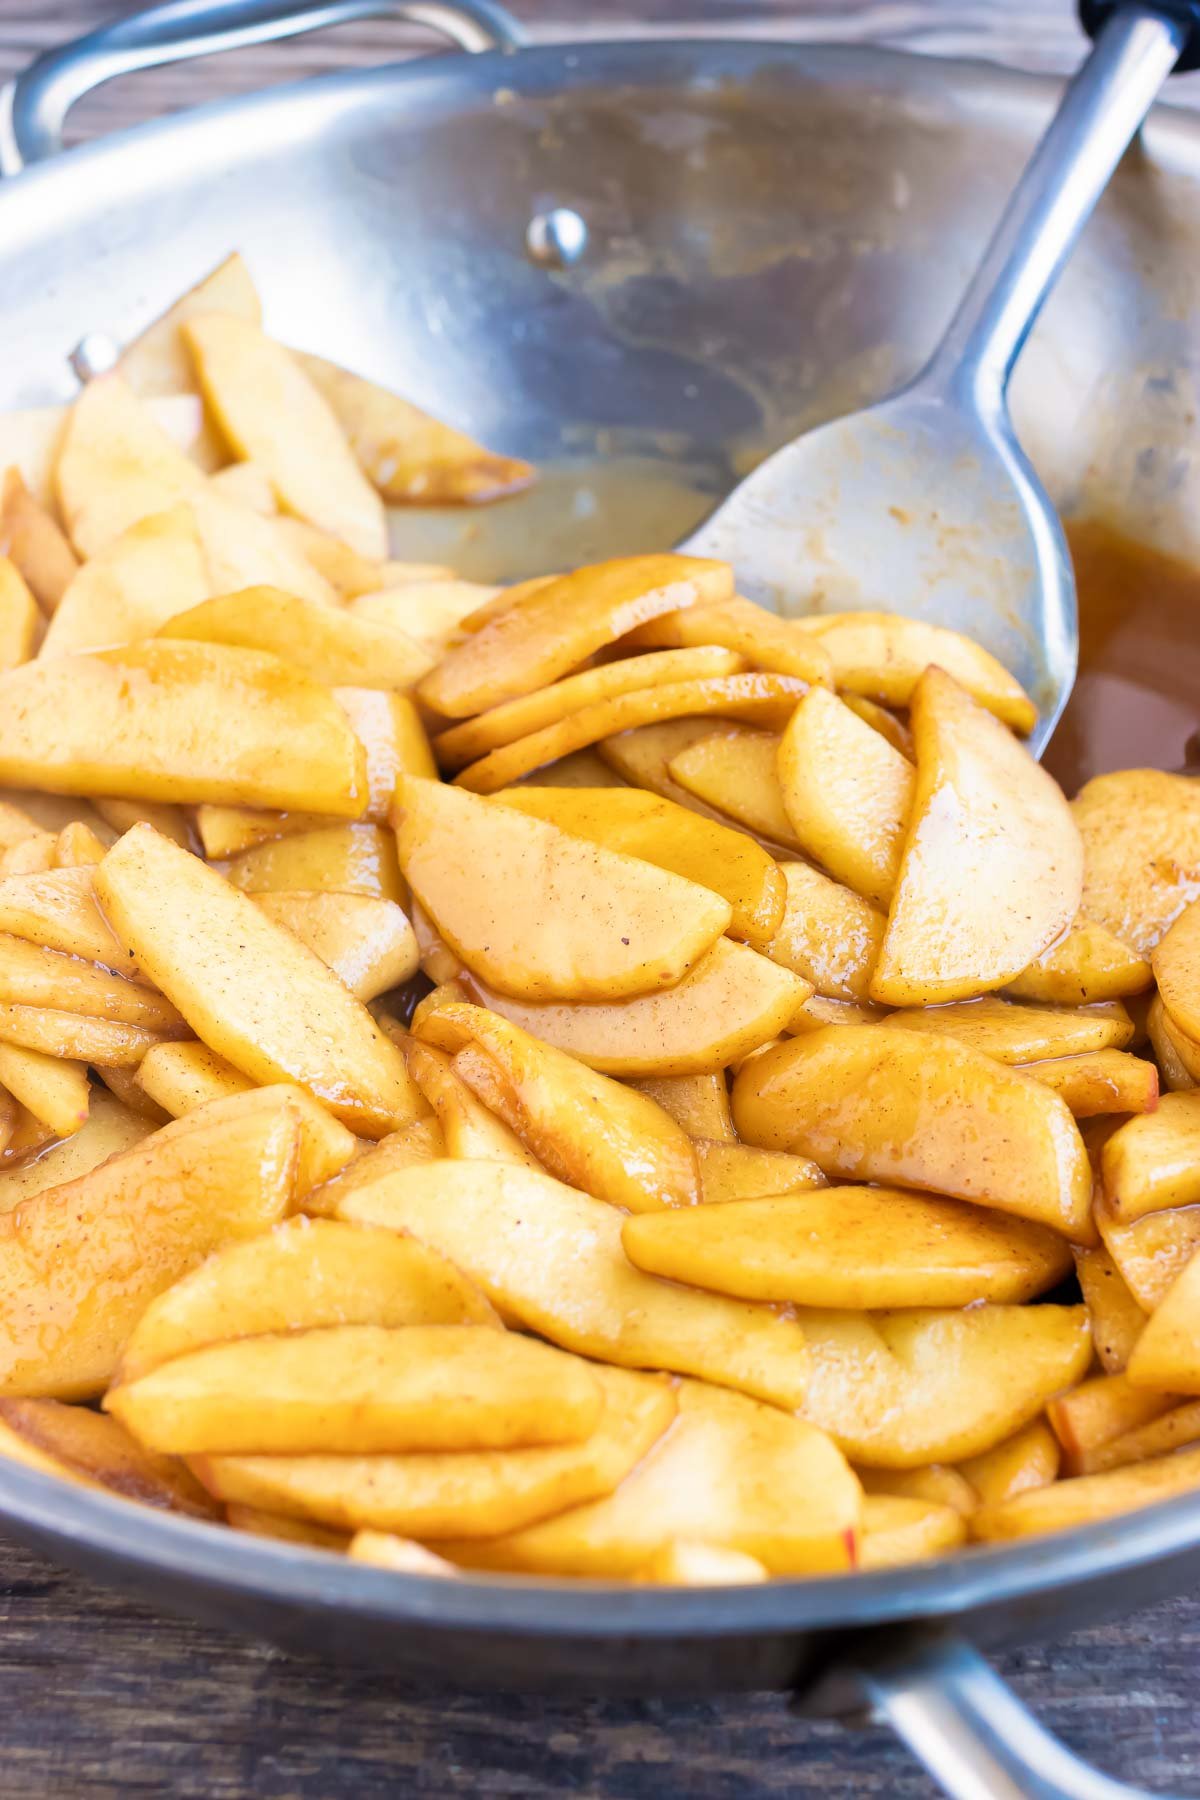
pixel 1100 111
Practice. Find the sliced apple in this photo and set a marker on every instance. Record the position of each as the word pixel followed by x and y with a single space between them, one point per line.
pixel 732 1002
pixel 847 793
pixel 469 1493
pixel 350 1389
pixel 1028 1459
pixel 246 987
pixel 583 1127
pixel 408 454
pixel 131 586
pixel 869 1104
pixel 1088 1499
pixel 33 541
pixel 244 550
pixel 992 867
pixel 305 1274
pixel 856 1247
pixel 332 859
pixel 79 847
pixel 760 699
pixel 1176 960
pixel 1151 1251
pixel 1104 1081
pixel 74 1285
pixel 367 941
pixel 421 1141
pixel 429 611
pixel 669 836
pixel 469 1129
pixel 105 1043
pixel 331 646
pixel 736 771
pixel 54 1090
pixel 1167 1354
pixel 642 757
pixel 116 464
pixel 897 1531
pixel 766 641
pixel 529 713
pixel 31 976
pixel 1152 1164
pixel 20 617
pixel 270 413
pixel 180 1077
pixel 886 723
pixel 1089 964
pixel 1141 840
pixel 108 1129
pixel 1173 1430
pixel 178 721
pixel 732 1473
pixel 1117 1319
pixel 156 361
pixel 1096 1413
pixel 610 925
pixel 741 1172
pixel 1012 1031
pixel 1178 1056
pixel 700 1103
pixel 389 728
pixel 80 1445
pixel 58 910
pixel 403 1556
pixel 682 1562
pixel 553 629
pixel 883 656
pixel 551 1258
pixel 936 1484
pixel 829 934
pixel 897 1390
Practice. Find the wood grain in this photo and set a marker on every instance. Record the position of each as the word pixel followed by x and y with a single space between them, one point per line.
pixel 102 1697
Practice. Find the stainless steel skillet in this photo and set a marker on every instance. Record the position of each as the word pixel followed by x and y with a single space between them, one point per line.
pixel 770 234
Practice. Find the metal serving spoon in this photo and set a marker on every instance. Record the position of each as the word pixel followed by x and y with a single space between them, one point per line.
pixel 925 504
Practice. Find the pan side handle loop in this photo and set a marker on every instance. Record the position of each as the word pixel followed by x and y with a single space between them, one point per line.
pixel 968 1729
pixel 34 107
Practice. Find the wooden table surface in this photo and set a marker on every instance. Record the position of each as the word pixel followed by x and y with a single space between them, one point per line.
pixel 98 1696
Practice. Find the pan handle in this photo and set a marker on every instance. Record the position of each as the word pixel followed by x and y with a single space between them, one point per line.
pixel 965 1726
pixel 36 104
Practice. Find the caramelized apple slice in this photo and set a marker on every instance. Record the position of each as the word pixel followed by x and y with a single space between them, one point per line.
pixel 1141 842
pixel 992 867
pixel 244 550
pixel 732 1002
pixel 847 794
pixel 177 721
pixel 1016 1033
pixel 180 1077
pixel 271 414
pixel 742 1172
pixel 331 859
pixel 406 453
pixel 1152 1251
pixel 737 772
pixel 1152 1164
pixel 1117 1319
pixel 766 641
pixel 364 939
pixel 131 586
pixel 34 542
pixel 1176 962
pixel 246 987
pixel 733 1473
pixel 1167 1354
pixel 761 699
pixel 519 718
pixel 856 1247
pixel 869 1104
pixel 1088 965
pixel 1088 1499
pixel 828 934
pixel 900 1389
pixel 1102 1081
pixel 116 464
pixel 882 656
pixel 551 1259
pixel 1028 1459
pixel 538 635
pixel 700 1103
pixel 610 925
pixel 332 647
pixel 669 836
pixel 583 1127
pixel 437 1494
pixel 897 1531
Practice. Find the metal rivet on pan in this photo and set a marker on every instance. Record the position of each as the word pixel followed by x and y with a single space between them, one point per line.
pixel 557 238
pixel 94 355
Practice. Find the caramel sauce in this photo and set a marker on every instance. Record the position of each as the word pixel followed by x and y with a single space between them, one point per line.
pixel 1136 702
